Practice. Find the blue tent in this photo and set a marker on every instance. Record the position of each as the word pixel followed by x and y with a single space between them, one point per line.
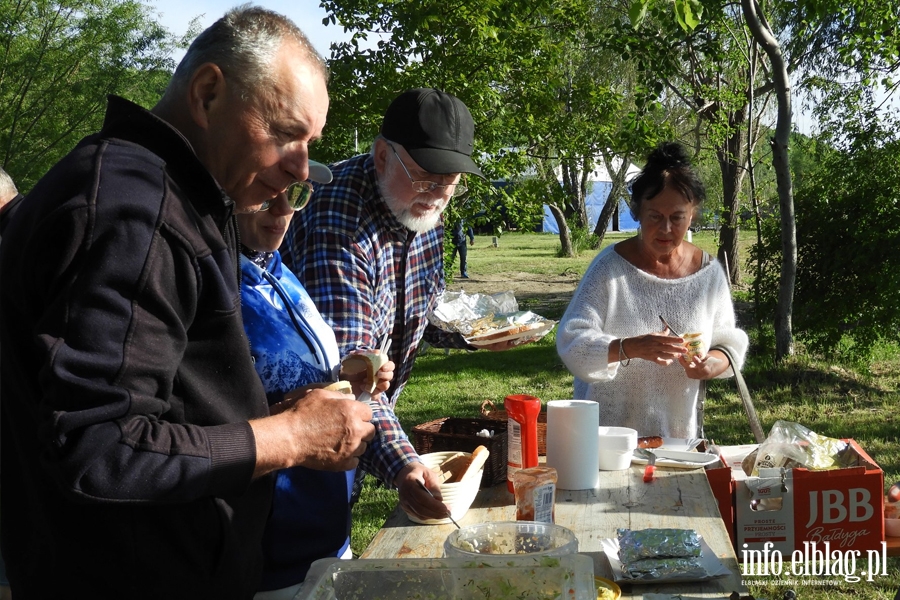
pixel 595 201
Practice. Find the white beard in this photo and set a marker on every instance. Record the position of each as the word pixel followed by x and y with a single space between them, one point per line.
pixel 403 213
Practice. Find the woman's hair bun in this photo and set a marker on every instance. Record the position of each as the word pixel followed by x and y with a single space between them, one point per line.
pixel 667 165
pixel 668 155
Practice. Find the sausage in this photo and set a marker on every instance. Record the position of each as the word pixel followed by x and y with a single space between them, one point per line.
pixel 653 441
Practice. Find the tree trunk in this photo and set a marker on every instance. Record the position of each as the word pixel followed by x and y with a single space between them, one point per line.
pixel 732 163
pixel 565 236
pixel 616 193
pixel 762 33
pixel 574 187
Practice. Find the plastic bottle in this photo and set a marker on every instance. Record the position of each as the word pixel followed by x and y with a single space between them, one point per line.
pixel 535 494
pixel 523 411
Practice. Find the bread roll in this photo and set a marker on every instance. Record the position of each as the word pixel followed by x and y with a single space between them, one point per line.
pixel 340 386
pixel 453 468
pixel 331 386
pixel 479 457
pixel 364 362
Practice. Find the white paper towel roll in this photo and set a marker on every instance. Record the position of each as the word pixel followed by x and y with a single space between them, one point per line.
pixel 573 443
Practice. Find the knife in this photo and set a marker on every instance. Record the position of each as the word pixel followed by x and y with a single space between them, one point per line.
pixel 449 515
pixel 651 464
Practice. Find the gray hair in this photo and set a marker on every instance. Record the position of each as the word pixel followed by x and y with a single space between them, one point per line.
pixel 243 44
pixel 7 187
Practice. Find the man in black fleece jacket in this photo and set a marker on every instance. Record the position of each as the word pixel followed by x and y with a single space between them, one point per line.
pixel 136 439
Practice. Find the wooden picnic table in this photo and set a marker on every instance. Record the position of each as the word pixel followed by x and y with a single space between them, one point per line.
pixel 675 499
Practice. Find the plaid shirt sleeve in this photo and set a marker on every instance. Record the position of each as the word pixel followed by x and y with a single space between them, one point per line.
pixel 391 450
pixel 345 293
pixel 351 280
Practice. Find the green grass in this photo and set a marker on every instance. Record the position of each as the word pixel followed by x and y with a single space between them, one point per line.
pixel 833 399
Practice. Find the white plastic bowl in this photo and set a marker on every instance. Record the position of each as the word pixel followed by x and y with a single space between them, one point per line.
pixel 457 496
pixel 892 527
pixel 616 445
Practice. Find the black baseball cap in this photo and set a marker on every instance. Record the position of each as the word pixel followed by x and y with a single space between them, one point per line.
pixel 435 128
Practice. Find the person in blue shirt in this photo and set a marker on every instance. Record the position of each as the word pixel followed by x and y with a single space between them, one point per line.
pixel 293 349
pixel 460 233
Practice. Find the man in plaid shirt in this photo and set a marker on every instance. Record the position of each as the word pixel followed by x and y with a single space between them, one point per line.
pixel 369 250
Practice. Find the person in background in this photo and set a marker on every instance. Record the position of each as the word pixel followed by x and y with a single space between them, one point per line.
pixel 292 348
pixel 137 441
pixel 611 338
pixel 369 250
pixel 460 233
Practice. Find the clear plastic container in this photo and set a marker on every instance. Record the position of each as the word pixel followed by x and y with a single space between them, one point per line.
pixel 526 538
pixel 568 577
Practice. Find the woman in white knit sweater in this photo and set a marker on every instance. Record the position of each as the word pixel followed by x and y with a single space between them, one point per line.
pixel 611 337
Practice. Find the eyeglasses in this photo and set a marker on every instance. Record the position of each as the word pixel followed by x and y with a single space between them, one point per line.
pixel 298 195
pixel 422 187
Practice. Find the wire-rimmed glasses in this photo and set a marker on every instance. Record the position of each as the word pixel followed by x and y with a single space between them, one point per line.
pixel 424 187
pixel 298 195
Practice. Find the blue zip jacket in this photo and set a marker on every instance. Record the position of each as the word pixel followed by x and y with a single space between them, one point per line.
pixel 292 346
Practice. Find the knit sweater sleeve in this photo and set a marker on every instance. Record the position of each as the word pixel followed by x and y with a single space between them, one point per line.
pixel 584 336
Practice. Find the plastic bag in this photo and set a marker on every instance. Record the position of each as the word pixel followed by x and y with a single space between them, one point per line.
pixel 791 445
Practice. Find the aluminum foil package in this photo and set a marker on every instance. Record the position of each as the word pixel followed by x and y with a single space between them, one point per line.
pixel 656 544
pixel 664 568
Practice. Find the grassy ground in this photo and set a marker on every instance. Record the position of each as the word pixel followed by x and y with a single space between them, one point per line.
pixel 833 399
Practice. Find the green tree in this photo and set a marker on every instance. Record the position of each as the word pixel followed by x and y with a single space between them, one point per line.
pixel 703 57
pixel 528 70
pixel 58 62
pixel 848 227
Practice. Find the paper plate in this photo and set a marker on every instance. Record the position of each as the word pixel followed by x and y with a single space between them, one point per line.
pixel 677 459
pixel 708 560
pixel 537 332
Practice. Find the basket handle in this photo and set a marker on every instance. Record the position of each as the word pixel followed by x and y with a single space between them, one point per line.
pixel 487 406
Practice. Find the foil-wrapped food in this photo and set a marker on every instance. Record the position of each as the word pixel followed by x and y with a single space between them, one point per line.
pixel 482 319
pixel 664 568
pixel 636 545
pixel 650 554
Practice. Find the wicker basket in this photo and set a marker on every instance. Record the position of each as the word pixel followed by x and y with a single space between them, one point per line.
pixel 451 433
pixel 489 411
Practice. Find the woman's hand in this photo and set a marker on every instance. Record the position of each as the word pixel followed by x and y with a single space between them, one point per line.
pixel 711 365
pixel 661 348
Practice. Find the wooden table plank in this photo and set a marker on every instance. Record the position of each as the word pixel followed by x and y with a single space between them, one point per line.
pixel 676 498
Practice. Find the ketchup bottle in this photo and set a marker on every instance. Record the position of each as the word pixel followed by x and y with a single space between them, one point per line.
pixel 522 443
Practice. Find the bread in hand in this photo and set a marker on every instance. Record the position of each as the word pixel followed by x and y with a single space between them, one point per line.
pixel 364 362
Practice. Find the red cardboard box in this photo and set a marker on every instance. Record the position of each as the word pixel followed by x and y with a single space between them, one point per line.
pixel 721 481
pixel 843 507
pixel 722 484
